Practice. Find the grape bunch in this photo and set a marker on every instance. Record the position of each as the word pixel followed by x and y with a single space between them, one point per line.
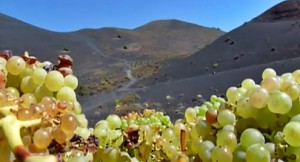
pixel 39 110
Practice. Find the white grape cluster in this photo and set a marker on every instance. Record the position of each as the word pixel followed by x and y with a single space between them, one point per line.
pixel 38 107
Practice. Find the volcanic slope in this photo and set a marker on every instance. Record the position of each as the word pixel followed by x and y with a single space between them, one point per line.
pixel 269 40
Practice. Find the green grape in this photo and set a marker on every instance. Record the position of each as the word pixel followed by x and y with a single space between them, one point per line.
pixel 15 65
pixel 286 76
pixel 101 124
pixel 279 102
pixel 293 91
pixel 291 133
pixel 245 109
pixel 251 136
pixel 227 139
pixel 38 76
pixel 257 152
pixel 230 128
pixel 170 150
pixel 71 81
pixel 83 132
pixel 271 83
pixel 296 118
pixel 196 142
pixel 205 156
pixel 66 94
pixel 27 72
pixel 77 107
pixel 248 84
pixel 27 85
pixel 82 121
pixel 3 61
pixel 28 99
pixel 230 93
pixel 241 90
pixel 296 75
pixel 285 83
pixel 177 128
pixel 213 98
pixel 221 154
pixel 13 92
pixel 54 80
pixel 203 128
pixel 168 134
pixel 269 72
pixel 239 156
pixel 114 121
pixel 270 147
pixel 258 97
pixel 203 146
pixel 190 115
pixel 202 110
pixel 226 117
pixel 41 92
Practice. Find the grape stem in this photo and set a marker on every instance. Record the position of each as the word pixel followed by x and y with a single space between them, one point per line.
pixel 10 140
pixel 183 140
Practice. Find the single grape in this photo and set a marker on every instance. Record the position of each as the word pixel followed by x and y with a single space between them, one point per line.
pixel 68 123
pixel 226 117
pixel 270 147
pixel 271 83
pixel 71 81
pixel 38 76
pixel 239 156
pixel 203 128
pixel 269 72
pixel 291 133
pixel 113 121
pixel 245 109
pixel 27 85
pixel 251 136
pixel 59 135
pixel 279 102
pixel 190 115
pixel 296 75
pixel 27 99
pixel 49 104
pixel 258 97
pixel 13 92
pixel 248 83
pixel 82 121
pixel 293 91
pixel 54 80
pixel 221 154
pixel 257 152
pixel 227 139
pixel 211 116
pixel 24 114
pixel 42 138
pixel 66 94
pixel 15 65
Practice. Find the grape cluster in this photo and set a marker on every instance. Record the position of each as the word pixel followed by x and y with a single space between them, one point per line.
pixel 257 122
pixel 39 96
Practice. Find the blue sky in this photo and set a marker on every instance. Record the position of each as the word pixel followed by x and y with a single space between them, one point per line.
pixel 70 15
